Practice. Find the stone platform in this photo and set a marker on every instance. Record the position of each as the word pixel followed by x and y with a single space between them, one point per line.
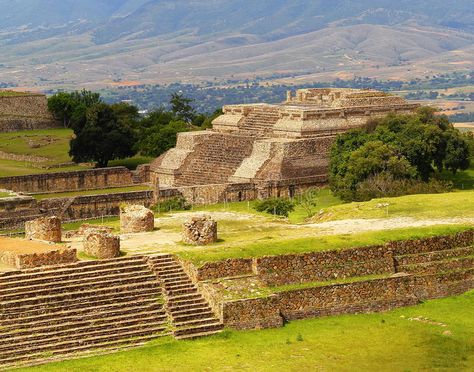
pixel 269 149
pixel 24 254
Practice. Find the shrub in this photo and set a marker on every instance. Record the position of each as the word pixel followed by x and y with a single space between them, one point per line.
pixel 174 204
pixel 276 206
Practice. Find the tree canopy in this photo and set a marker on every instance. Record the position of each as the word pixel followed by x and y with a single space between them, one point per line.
pixel 408 148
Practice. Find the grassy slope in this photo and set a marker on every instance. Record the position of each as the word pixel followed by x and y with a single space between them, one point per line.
pixel 368 342
pixel 427 206
pixel 54 146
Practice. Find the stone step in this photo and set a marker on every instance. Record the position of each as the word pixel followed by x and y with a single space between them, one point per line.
pixel 179 285
pixel 77 286
pixel 56 285
pixel 215 326
pixel 106 299
pixel 65 329
pixel 181 275
pixel 199 334
pixel 70 268
pixel 81 351
pixel 81 313
pixel 73 275
pixel 195 322
pixel 81 295
pixel 193 315
pixel 190 309
pixel 188 304
pixel 433 256
pixel 174 292
pixel 85 343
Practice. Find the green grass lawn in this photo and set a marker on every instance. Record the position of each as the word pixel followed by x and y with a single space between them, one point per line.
pixel 422 206
pixel 391 341
pixel 53 145
pixel 92 192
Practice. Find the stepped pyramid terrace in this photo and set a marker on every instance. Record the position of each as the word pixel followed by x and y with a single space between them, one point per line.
pixel 261 150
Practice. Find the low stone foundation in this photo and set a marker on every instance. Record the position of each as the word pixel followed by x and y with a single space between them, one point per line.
pixel 136 219
pixel 101 245
pixel 200 230
pixel 23 254
pixel 45 228
pixel 407 272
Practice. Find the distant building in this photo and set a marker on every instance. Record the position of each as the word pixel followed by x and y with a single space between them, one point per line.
pixel 260 150
pixel 24 111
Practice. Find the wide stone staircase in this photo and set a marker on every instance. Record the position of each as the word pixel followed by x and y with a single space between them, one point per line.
pixel 259 122
pixel 190 313
pixel 78 309
pixel 215 160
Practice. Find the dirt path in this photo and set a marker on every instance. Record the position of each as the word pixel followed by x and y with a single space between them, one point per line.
pixel 362 225
pixel 168 233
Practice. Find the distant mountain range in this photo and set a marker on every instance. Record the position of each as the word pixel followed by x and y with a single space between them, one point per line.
pixel 54 43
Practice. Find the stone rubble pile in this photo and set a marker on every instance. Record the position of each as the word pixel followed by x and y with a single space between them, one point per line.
pixel 101 245
pixel 136 219
pixel 45 229
pixel 200 230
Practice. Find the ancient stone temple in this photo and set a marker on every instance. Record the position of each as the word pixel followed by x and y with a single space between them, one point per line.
pixel 257 150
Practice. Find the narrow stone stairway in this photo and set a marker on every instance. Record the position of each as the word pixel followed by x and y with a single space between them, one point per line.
pixel 191 314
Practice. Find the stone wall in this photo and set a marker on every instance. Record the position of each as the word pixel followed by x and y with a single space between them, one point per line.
pixel 30 260
pixel 25 112
pixel 318 266
pixel 359 296
pixel 23 209
pixel 94 206
pixel 254 313
pixel 328 265
pixel 69 181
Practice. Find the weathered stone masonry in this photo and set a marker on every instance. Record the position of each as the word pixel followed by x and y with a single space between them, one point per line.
pixel 259 150
pixel 416 270
pixel 24 112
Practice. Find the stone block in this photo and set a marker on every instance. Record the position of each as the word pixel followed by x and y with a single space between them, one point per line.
pixel 200 230
pixel 45 228
pixel 136 219
pixel 101 244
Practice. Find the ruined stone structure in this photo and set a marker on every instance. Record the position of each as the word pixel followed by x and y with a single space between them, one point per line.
pixel 101 245
pixel 200 230
pixel 25 111
pixel 24 254
pixel 44 228
pixel 77 309
pixel 136 219
pixel 263 150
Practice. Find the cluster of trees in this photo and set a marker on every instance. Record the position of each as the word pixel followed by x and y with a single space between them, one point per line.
pixel 396 155
pixel 104 132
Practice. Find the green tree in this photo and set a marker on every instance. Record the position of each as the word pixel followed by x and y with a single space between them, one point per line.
pixel 182 108
pixel 71 108
pixel 103 137
pixel 396 148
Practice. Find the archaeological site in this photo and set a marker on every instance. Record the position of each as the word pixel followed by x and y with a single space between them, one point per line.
pixel 86 272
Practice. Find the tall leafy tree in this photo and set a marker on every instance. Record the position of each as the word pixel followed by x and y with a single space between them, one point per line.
pixel 103 137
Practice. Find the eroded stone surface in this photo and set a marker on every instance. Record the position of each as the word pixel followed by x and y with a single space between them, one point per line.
pixel 101 245
pixel 136 219
pixel 200 230
pixel 45 228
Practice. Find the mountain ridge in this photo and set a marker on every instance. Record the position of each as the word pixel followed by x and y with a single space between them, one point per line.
pixel 52 43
